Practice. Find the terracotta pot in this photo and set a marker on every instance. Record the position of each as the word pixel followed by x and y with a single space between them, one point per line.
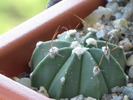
pixel 16 45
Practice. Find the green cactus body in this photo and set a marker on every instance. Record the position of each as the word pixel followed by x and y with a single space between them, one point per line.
pixel 70 71
pixel 68 36
pixel 42 50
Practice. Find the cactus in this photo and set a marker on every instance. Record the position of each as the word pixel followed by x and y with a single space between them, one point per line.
pixel 88 66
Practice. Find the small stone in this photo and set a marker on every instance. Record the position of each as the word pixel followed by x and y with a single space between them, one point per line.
pixel 113 39
pixel 80 97
pixel 130 73
pixel 24 74
pixel 95 15
pixel 120 97
pixel 131 28
pixel 128 33
pixel 114 35
pixel 118 15
pixel 117 89
pixel 106 97
pixel 114 95
pixel 43 91
pixel 15 79
pixel 115 32
pixel 130 85
pixel 64 99
pixel 99 25
pixel 34 88
pixel 121 0
pixel 90 98
pixel 130 60
pixel 122 3
pixel 25 81
pixel 128 91
pixel 113 6
pixel 120 23
pixel 125 97
pixel 128 11
pixel 127 45
pixel 102 34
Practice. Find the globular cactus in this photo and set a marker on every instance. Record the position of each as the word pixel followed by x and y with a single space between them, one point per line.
pixel 88 66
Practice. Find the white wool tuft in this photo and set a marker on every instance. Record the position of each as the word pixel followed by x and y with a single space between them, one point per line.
pixel 96 70
pixel 74 44
pixel 39 43
pixel 106 51
pixel 62 80
pixel 91 41
pixel 53 51
pixel 79 51
pixel 70 33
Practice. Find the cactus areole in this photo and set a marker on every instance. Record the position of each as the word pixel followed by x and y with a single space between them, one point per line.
pixel 77 65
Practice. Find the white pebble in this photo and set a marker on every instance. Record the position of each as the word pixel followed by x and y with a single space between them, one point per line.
pixel 114 32
pixel 79 97
pixel 43 91
pixel 130 85
pixel 130 61
pixel 15 79
pixel 25 81
pixel 130 73
pixel 127 45
pixel 102 34
pixel 114 95
pixel 95 15
pixel 125 97
pixel 118 15
pixel 90 98
pixel 128 10
pixel 113 6
pixel 120 23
